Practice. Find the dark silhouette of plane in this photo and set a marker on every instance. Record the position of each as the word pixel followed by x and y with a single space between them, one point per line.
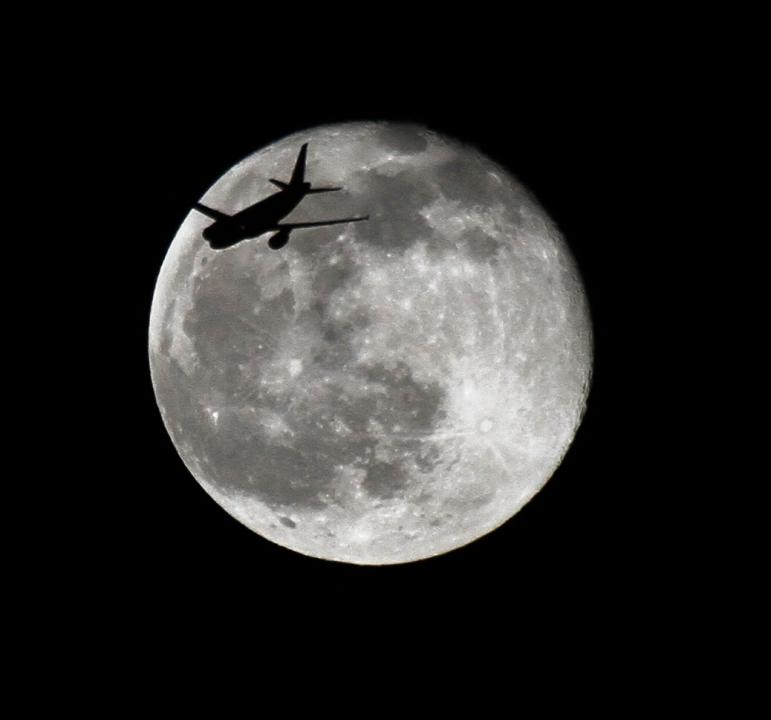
pixel 265 215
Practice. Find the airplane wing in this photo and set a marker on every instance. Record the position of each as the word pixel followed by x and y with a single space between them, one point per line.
pixel 210 212
pixel 295 226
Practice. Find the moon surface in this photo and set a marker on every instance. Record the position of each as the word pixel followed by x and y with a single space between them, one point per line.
pixel 384 391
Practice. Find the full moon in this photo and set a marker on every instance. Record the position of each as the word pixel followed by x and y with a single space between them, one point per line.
pixel 383 391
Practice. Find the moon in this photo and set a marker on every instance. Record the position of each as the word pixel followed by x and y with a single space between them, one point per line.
pixel 378 392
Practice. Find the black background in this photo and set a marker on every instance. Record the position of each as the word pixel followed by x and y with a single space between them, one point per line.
pixel 590 551
pixel 620 572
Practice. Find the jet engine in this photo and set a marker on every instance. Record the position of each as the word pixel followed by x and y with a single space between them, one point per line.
pixel 278 241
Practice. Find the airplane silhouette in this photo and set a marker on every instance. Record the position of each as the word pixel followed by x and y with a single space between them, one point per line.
pixel 265 215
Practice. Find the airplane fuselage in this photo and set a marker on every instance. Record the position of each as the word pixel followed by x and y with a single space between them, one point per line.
pixel 255 220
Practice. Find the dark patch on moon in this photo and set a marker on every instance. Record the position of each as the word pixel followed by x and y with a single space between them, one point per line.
pixel 415 407
pixel 337 351
pixel 298 469
pixel 403 139
pixel 394 204
pixel 466 178
pixel 287 522
pixel 300 474
pixel 479 246
pixel 338 336
pixel 427 457
pixel 285 476
pixel 384 480
pixel 472 503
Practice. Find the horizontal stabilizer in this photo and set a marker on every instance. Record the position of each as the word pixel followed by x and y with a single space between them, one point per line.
pixel 295 226
pixel 322 189
pixel 210 212
pixel 279 184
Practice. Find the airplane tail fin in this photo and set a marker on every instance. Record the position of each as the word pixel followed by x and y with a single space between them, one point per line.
pixel 211 212
pixel 298 174
pixel 278 183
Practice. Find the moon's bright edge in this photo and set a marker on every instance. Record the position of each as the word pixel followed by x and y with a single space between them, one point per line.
pixel 384 391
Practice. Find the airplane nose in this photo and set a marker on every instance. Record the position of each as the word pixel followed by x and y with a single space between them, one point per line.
pixel 208 237
pixel 211 237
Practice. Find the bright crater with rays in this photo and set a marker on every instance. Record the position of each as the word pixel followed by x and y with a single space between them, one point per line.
pixel 380 392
